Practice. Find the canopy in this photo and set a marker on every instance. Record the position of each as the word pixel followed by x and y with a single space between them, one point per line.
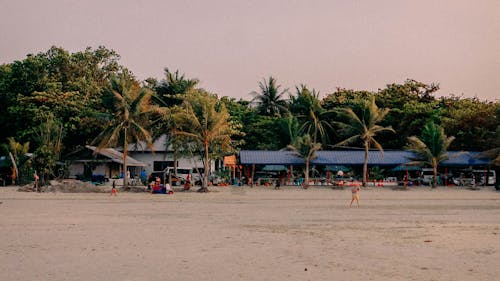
pixel 406 168
pixel 336 168
pixel 275 168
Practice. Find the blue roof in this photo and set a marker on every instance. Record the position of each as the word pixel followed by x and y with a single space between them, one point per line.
pixel 352 158
pixel 357 157
pixel 267 157
pixel 456 158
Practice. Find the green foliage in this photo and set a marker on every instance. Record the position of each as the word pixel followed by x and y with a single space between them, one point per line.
pixel 172 90
pixel 363 126
pixel 48 137
pixel 127 124
pixel 305 148
pixel 205 122
pixel 430 149
pixel 269 99
pixel 473 123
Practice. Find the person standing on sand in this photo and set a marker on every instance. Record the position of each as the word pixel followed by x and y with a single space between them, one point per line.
pixel 355 195
pixel 113 189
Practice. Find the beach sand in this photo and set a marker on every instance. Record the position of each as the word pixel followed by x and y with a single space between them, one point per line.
pixel 258 233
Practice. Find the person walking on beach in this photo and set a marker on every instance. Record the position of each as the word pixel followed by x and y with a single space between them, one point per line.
pixel 355 195
pixel 113 189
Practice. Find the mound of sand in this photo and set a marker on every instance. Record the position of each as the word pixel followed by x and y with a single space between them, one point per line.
pixel 67 186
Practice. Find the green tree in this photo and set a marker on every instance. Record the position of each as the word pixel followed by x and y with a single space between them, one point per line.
pixel 48 137
pixel 205 121
pixel 431 148
pixel 315 120
pixel 18 154
pixel 172 90
pixel 305 148
pixel 473 122
pixel 269 99
pixel 364 126
pixel 127 124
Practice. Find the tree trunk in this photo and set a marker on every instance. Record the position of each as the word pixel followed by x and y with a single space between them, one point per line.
pixel 306 176
pixel 204 184
pixel 365 164
pixel 434 170
pixel 125 152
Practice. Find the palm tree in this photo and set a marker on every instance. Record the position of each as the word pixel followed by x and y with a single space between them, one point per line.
pixel 306 104
pixel 305 148
pixel 363 126
pixel 205 122
pixel 128 120
pixel 17 154
pixel 431 148
pixel 174 87
pixel 270 100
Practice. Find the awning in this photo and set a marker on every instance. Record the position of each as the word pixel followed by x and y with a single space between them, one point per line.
pixel 406 168
pixel 336 168
pixel 116 156
pixel 274 168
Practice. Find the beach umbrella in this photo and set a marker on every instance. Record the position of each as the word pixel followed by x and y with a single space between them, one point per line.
pixel 274 168
pixel 336 168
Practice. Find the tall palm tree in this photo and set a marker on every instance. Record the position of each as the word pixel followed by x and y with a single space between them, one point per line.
pixel 128 119
pixel 431 148
pixel 205 122
pixel 270 100
pixel 307 106
pixel 305 148
pixel 17 154
pixel 174 87
pixel 363 126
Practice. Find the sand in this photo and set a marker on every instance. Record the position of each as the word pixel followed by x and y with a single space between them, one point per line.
pixel 256 233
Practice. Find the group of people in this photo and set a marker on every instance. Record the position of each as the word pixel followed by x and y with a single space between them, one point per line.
pixel 157 187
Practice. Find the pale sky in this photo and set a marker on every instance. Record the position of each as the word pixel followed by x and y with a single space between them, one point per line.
pixel 231 45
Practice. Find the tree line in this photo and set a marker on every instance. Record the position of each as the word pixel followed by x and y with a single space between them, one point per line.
pixel 54 103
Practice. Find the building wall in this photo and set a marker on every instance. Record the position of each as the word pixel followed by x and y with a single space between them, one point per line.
pixel 148 158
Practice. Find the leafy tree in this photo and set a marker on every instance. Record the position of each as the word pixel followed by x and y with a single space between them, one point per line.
pixel 129 119
pixel 472 122
pixel 269 99
pixel 430 149
pixel 205 122
pixel 306 149
pixel 48 136
pixel 68 85
pixel 363 126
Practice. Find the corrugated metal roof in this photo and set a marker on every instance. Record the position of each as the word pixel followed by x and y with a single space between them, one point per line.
pixel 116 156
pixel 352 158
pixel 267 157
pixel 456 158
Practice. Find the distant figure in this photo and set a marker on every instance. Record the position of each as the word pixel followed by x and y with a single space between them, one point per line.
pixel 167 189
pixel 355 195
pixel 113 189
pixel 37 183
pixel 278 184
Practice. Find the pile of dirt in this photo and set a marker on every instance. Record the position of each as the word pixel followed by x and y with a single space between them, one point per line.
pixel 67 186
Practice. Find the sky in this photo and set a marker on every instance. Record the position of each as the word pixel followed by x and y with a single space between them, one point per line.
pixel 232 45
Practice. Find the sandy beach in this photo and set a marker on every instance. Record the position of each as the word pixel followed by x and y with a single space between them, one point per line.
pixel 236 233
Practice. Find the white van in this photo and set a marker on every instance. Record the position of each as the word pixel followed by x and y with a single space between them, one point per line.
pixel 427 175
pixel 480 176
pixel 182 173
